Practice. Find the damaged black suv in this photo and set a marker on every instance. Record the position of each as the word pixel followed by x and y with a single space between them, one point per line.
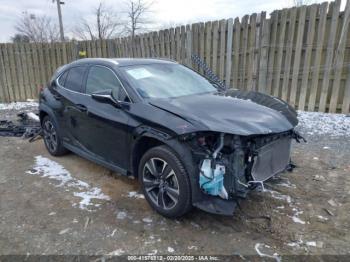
pixel 188 142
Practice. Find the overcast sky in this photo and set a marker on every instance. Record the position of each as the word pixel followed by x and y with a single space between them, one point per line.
pixel 166 12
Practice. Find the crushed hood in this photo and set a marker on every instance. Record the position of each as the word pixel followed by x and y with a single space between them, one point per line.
pixel 229 114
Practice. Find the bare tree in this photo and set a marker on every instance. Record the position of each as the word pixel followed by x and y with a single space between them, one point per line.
pixel 138 16
pixel 106 25
pixel 19 38
pixel 37 28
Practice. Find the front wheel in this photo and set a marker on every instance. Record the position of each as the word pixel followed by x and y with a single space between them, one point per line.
pixel 165 182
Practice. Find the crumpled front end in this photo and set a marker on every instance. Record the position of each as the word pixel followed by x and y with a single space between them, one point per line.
pixel 229 166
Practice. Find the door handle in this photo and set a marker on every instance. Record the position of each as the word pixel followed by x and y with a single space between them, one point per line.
pixel 81 108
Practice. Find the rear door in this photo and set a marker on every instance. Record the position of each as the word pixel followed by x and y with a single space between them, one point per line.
pixel 71 94
pixel 104 131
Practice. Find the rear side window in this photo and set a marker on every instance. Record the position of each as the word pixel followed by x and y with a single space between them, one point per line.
pixel 62 78
pixel 74 80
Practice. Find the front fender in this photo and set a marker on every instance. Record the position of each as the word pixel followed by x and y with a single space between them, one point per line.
pixel 183 152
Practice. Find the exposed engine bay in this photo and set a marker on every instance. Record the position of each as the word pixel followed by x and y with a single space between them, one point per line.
pixel 230 165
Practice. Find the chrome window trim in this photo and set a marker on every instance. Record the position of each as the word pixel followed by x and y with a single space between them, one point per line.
pixel 81 93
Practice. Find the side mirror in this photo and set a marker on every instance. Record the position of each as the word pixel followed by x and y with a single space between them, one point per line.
pixel 105 96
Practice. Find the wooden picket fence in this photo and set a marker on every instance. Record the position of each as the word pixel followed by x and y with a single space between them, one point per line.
pixel 301 55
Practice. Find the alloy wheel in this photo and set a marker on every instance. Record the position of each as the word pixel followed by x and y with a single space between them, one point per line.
pixel 160 183
pixel 50 135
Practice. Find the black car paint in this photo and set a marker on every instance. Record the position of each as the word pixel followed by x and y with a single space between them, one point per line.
pixel 110 135
pixel 210 113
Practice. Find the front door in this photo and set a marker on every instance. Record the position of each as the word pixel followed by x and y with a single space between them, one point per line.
pixel 104 130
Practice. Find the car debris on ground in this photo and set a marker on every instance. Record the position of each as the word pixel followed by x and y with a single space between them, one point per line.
pixel 27 126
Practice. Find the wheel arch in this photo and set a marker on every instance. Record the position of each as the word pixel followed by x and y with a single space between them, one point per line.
pixel 44 110
pixel 182 151
pixel 141 145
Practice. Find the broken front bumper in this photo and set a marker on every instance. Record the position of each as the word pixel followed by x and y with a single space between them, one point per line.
pixel 251 162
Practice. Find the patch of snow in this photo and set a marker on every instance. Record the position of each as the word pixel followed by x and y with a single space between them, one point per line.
pixel 288 199
pixel 296 218
pixel 171 250
pixel 315 123
pixel 296 244
pixel 121 215
pixel 195 225
pixel 113 232
pixel 45 167
pixel 315 158
pixel 261 254
pixel 134 194
pixel 117 252
pixel 332 203
pixel 311 243
pixel 52 213
pixel 64 231
pixel 147 220
pixel 33 116
pixel 326 147
pixel 287 184
pixel 153 252
pixel 278 195
pixel 88 196
pixel 17 105
pixel 322 218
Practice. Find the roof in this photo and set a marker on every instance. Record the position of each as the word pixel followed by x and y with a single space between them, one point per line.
pixel 123 61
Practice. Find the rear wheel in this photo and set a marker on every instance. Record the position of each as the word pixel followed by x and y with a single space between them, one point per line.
pixel 165 182
pixel 52 139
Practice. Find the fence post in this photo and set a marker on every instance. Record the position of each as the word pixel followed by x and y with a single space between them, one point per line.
pixel 339 60
pixel 3 83
pixel 289 52
pixel 329 56
pixel 222 49
pixel 297 56
pixel 188 46
pixel 236 52
pixel 256 51
pixel 307 57
pixel 346 100
pixel 215 46
pixel 321 28
pixel 242 67
pixel 263 64
pixel 280 46
pixel 229 52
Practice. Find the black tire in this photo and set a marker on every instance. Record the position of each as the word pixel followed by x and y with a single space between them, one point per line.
pixel 173 182
pixel 52 139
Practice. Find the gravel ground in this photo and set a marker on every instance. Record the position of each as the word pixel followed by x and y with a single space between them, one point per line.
pixel 68 205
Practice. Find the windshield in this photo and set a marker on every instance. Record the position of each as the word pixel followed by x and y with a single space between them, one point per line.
pixel 166 80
